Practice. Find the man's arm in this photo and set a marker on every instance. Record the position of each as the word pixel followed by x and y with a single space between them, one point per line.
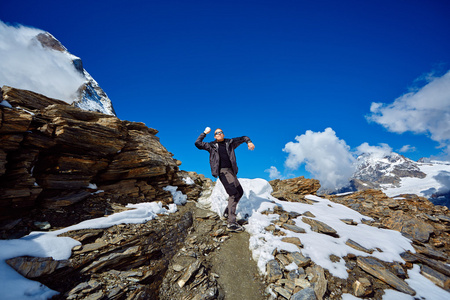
pixel 243 139
pixel 200 144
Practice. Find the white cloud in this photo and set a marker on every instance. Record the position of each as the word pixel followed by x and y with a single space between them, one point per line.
pixel 326 157
pixel 25 64
pixel 424 111
pixel 407 148
pixel 375 151
pixel 274 173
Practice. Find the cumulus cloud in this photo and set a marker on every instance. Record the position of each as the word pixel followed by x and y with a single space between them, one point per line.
pixel 25 64
pixel 274 173
pixel 407 148
pixel 423 111
pixel 374 151
pixel 325 156
pixel 444 179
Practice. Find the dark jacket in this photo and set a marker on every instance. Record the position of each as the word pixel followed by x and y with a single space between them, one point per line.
pixel 213 149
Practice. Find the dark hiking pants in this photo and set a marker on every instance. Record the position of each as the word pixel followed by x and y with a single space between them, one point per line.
pixel 234 191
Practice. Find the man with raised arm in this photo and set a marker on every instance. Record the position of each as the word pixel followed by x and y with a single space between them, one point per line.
pixel 223 165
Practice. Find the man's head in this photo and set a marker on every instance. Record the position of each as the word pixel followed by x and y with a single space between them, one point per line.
pixel 218 135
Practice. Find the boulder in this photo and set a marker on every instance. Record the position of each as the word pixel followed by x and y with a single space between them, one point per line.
pixel 273 271
pixel 362 287
pixel 409 226
pixel 32 267
pixel 320 227
pixel 375 268
pixel 294 189
pixel 305 294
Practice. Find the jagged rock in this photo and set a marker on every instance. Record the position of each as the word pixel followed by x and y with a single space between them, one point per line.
pixel 319 282
pixel 436 265
pixel 305 294
pixel 357 246
pixel 294 189
pixel 437 278
pixel 309 214
pixel 32 267
pixel 375 268
pixel 303 283
pixel 282 291
pixel 299 259
pixel 14 121
pixel 431 253
pixel 294 228
pixel 293 240
pixel 188 273
pixel 362 287
pixel 349 221
pixel 288 284
pixel 282 259
pixel 273 270
pixel 318 226
pixel 444 218
pixel 409 226
pixel 284 218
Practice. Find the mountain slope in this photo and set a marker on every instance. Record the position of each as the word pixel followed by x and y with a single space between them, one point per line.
pixel 396 174
pixel 34 60
pixel 90 96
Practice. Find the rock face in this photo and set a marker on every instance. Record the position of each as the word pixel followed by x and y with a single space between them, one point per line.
pixel 294 189
pixel 54 155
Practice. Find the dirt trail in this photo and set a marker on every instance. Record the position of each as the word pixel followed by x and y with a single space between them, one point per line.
pixel 238 272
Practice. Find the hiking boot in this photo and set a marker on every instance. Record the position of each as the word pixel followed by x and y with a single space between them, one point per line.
pixel 235 227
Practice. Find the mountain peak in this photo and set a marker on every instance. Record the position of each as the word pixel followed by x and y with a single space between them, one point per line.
pixel 386 168
pixel 35 60
pixel 90 96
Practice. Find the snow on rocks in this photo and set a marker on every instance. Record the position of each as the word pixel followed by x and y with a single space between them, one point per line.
pixel 291 241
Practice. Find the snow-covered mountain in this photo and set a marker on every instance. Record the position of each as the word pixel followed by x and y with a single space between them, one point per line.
pixel 395 174
pixel 33 59
pixel 386 170
pixel 90 96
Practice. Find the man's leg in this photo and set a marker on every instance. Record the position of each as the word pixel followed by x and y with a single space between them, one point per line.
pixel 234 191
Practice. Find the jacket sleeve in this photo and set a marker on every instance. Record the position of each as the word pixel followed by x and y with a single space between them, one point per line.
pixel 235 142
pixel 200 144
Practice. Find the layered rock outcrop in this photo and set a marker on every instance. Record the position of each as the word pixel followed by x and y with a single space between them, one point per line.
pixel 294 189
pixel 53 155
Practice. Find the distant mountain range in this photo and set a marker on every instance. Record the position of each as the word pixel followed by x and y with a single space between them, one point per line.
pixel 396 174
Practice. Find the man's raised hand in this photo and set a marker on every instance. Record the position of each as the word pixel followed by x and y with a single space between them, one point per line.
pixel 207 130
pixel 251 146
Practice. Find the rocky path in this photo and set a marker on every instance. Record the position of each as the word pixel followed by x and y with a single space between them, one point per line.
pixel 239 276
pixel 214 263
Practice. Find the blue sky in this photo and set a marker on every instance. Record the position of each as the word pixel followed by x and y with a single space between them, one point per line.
pixel 271 70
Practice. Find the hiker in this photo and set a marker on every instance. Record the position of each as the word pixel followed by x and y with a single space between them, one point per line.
pixel 223 165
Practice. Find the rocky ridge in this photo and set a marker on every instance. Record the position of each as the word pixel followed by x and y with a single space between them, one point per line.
pixel 54 155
